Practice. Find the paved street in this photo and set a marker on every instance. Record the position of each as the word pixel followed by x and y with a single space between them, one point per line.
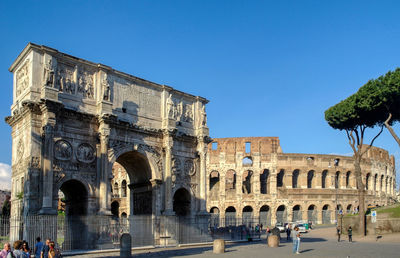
pixel 318 243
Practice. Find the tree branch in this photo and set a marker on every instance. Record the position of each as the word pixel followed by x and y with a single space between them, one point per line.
pixel 387 125
pixel 351 140
pixel 357 136
pixel 372 142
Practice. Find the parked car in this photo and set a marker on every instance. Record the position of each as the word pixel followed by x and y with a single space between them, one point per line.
pixel 280 226
pixel 302 228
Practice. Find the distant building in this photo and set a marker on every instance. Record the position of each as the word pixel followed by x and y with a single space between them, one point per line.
pixel 3 197
pixel 251 177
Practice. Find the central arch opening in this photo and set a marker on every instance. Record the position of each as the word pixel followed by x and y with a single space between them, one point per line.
pixel 140 193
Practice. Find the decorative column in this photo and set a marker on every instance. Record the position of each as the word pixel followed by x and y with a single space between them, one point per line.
pixel 202 150
pixel 168 142
pixel 155 186
pixel 47 185
pixel 103 171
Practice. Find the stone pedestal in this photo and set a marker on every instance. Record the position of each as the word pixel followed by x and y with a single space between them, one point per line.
pixel 219 246
pixel 126 245
pixel 273 241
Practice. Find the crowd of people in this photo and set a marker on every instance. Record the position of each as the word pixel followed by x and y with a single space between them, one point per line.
pixel 21 250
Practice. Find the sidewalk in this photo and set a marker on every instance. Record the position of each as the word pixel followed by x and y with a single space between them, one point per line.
pixel 330 233
pixel 320 242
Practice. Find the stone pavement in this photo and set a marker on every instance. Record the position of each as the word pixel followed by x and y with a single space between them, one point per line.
pixel 317 243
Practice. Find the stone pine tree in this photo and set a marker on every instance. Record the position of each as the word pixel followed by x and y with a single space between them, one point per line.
pixel 382 100
pixel 354 115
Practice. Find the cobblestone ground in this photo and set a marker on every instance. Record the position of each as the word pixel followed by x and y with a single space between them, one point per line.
pixel 320 242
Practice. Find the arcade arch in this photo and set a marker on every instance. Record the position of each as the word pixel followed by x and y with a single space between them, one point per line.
pixel 312 214
pixel 76 205
pixel 281 214
pixel 326 214
pixel 265 215
pixel 181 203
pixel 296 213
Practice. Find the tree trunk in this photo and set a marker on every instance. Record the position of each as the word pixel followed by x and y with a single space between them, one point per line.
pixel 361 191
pixel 390 129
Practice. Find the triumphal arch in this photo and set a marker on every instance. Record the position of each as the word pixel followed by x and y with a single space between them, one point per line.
pixel 73 120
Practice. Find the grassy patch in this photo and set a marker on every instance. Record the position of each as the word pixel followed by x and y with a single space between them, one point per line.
pixel 3 240
pixel 350 215
pixel 394 211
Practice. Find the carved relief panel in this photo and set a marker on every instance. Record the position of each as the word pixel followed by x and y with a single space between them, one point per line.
pixel 65 79
pixel 180 110
pixel 74 160
pixel 86 83
pixel 22 78
pixel 183 173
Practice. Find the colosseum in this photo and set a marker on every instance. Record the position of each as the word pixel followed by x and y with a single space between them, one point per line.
pixel 251 178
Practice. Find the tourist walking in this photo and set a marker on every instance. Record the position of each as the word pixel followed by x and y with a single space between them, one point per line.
pixel 350 233
pixel 45 250
pixel 296 240
pixel 338 233
pixel 267 232
pixel 38 247
pixel 53 252
pixel 18 253
pixel 5 251
pixel 25 249
pixel 288 231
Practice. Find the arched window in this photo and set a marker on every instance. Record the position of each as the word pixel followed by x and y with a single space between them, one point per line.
pixel 367 181
pixel 247 216
pixel 337 176
pixel 326 214
pixel 214 211
pixel 230 216
pixel 349 209
pixel 310 176
pixel 214 181
pixel 265 215
pixel 246 183
pixel 348 179
pixel 375 179
pixel 296 213
pixel 116 190
pixel 247 161
pixel 230 180
pixel 281 214
pixel 123 188
pixel 264 176
pixel 279 178
pixel 295 177
pixel 312 214
pixel 323 178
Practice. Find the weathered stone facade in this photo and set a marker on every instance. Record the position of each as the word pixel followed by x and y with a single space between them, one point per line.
pixel 72 120
pixel 251 176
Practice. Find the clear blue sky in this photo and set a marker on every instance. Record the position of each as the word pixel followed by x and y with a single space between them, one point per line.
pixel 269 68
